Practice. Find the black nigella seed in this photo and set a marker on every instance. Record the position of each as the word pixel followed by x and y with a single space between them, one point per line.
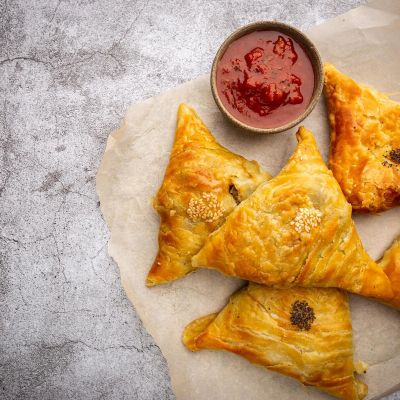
pixel 394 155
pixel 302 315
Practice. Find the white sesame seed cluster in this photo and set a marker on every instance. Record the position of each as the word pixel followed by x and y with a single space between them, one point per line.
pixel 207 208
pixel 306 219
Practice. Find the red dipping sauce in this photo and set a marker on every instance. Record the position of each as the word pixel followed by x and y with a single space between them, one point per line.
pixel 265 79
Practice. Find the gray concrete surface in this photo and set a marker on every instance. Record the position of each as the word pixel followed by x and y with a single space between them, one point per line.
pixel 68 71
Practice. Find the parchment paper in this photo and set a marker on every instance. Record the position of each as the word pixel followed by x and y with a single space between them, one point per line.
pixel 364 43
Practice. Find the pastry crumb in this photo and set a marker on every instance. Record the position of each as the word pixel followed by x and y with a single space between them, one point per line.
pixel 361 367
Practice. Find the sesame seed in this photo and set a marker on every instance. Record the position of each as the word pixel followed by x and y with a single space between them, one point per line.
pixel 306 219
pixel 205 209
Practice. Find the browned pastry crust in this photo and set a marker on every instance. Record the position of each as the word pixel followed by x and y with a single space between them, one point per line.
pixel 264 326
pixel 202 184
pixel 296 230
pixel 390 263
pixel 365 142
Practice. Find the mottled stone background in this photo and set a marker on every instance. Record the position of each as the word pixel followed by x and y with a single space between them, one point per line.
pixel 68 71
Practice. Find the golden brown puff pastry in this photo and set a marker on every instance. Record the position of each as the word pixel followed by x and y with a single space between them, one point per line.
pixel 304 333
pixel 390 263
pixel 296 230
pixel 365 142
pixel 202 184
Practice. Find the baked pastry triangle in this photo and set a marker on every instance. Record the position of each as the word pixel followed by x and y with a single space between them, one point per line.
pixel 202 184
pixel 304 333
pixel 365 142
pixel 296 230
pixel 390 263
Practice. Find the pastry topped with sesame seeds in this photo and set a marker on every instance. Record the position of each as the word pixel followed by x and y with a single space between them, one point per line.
pixel 304 333
pixel 365 142
pixel 202 184
pixel 296 230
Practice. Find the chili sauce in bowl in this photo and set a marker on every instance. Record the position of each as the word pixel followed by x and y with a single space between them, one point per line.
pixel 267 77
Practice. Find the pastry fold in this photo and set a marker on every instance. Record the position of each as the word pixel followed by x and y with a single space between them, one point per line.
pixel 203 182
pixel 296 230
pixel 390 263
pixel 304 333
pixel 365 142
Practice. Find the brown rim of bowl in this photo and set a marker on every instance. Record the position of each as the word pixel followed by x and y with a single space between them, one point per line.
pixel 302 40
